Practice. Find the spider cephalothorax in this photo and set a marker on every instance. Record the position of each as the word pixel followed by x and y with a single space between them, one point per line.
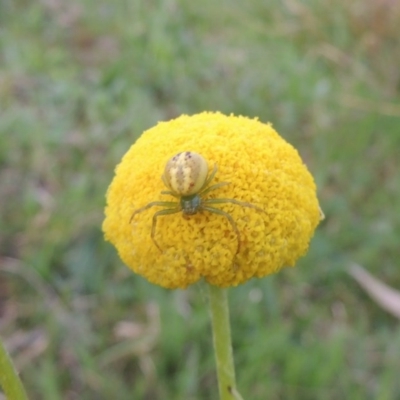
pixel 186 177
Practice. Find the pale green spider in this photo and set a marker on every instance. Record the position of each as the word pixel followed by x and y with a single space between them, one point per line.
pixel 186 176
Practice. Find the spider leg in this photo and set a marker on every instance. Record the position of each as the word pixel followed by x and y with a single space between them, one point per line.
pixel 152 204
pixel 164 179
pixel 155 216
pixel 232 201
pixel 210 178
pixel 213 187
pixel 170 193
pixel 231 221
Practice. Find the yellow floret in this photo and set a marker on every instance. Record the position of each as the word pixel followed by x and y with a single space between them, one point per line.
pixel 262 169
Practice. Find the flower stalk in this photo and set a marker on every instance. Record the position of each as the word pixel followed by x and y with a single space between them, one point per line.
pixel 219 309
pixel 9 379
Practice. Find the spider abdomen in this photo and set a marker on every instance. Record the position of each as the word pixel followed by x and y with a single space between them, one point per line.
pixel 186 173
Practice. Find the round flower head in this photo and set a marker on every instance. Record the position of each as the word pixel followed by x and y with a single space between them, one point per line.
pixel 270 221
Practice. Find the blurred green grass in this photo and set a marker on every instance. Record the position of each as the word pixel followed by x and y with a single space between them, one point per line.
pixel 79 82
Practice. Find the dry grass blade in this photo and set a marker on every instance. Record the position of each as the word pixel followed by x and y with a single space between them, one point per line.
pixel 385 296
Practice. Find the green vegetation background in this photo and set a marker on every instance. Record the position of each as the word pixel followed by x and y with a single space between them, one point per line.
pixel 80 81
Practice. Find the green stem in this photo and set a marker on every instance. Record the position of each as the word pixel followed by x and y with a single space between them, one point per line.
pixel 222 343
pixel 9 379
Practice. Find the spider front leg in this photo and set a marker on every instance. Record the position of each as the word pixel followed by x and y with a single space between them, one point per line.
pixel 152 204
pixel 227 215
pixel 155 216
pixel 167 211
pixel 229 218
pixel 232 201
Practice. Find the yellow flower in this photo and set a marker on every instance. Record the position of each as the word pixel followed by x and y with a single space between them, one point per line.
pixel 262 169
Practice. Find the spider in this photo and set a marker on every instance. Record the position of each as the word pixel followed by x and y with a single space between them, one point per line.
pixel 185 176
